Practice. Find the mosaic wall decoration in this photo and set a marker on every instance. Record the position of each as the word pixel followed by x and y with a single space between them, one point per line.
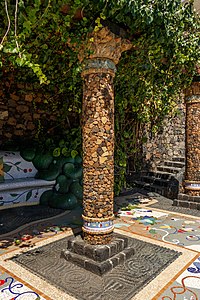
pixel 1 169
pixel 21 196
pixel 33 176
pixel 16 167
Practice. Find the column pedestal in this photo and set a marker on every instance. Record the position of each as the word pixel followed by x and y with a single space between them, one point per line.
pixel 98 259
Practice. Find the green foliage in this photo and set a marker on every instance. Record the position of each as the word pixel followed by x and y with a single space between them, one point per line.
pixel 165 35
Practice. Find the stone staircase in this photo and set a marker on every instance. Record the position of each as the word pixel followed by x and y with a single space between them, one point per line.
pixel 165 180
pixel 18 184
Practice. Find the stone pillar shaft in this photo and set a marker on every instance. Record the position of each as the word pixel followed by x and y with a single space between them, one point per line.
pixel 98 133
pixel 192 182
pixel 98 159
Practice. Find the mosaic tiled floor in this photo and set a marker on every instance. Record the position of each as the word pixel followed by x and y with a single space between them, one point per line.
pixel 11 289
pixel 170 228
pixel 136 217
pixel 186 286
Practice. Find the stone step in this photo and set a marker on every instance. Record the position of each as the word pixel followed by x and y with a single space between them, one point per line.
pixel 166 191
pixel 180 159
pixel 98 268
pixel 98 259
pixel 160 175
pixel 170 170
pixel 174 164
pixel 148 186
pixel 155 180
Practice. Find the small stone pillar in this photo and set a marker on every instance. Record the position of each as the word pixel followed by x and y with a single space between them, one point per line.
pixel 191 196
pixel 98 134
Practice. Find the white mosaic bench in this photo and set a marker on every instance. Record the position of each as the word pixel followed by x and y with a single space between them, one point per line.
pixel 18 184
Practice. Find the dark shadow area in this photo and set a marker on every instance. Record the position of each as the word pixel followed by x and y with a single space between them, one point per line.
pixel 15 217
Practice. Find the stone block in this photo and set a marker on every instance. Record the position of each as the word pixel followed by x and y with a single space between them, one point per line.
pixel 14 97
pixel 79 247
pixel 98 259
pixel 12 121
pixel 89 251
pixel 184 204
pixel 115 261
pixel 77 260
pixel 121 258
pixel 128 252
pixel 183 197
pixel 98 268
pixel 175 202
pixel 193 205
pixel 22 108
pixel 70 243
pixel 101 253
pixel 3 115
pixel 113 249
pixel 28 97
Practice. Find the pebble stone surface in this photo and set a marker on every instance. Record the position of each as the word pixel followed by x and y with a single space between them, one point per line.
pixel 98 147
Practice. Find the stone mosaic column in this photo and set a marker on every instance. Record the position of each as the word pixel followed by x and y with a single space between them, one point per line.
pixel 98 135
pixel 192 182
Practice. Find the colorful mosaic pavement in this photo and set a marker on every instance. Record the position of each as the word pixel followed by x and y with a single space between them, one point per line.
pixel 12 289
pixel 186 286
pixel 167 227
pixel 133 215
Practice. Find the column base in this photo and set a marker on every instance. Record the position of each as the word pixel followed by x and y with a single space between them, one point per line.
pixel 98 239
pixel 187 201
pixel 98 259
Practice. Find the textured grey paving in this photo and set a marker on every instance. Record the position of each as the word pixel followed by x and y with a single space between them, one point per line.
pixel 122 283
pixel 13 218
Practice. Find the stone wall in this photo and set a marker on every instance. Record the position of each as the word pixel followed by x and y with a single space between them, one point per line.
pixel 23 109
pixel 169 142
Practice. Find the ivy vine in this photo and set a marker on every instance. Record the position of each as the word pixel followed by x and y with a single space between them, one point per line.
pixel 164 59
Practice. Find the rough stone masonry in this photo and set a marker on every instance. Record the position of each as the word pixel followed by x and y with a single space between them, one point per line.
pixel 98 133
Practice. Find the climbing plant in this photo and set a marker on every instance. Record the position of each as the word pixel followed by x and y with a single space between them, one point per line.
pixel 165 37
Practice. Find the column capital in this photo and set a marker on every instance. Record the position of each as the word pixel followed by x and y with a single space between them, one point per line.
pixel 194 89
pixel 104 45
